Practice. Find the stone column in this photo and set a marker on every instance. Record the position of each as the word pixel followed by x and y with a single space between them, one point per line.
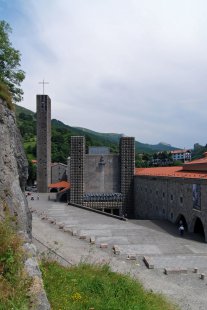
pixel 77 169
pixel 127 159
pixel 43 143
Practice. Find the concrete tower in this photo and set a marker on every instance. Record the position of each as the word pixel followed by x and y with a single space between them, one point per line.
pixel 43 143
pixel 77 160
pixel 127 158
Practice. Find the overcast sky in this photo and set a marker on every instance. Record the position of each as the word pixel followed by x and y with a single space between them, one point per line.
pixel 137 67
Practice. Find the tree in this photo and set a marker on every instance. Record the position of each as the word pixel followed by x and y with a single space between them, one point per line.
pixel 31 173
pixel 10 73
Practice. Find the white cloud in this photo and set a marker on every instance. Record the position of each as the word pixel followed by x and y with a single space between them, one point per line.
pixel 137 67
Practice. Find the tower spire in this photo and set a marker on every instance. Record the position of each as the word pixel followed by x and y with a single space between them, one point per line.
pixel 43 85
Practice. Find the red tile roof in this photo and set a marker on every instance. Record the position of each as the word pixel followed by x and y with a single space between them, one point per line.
pixel 198 161
pixel 176 172
pixel 64 189
pixel 63 184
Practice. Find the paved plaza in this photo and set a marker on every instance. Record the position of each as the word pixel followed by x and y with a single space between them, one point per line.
pixel 80 235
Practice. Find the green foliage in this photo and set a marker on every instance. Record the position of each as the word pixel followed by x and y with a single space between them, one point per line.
pixel 6 95
pixel 32 173
pixel 14 284
pixel 10 73
pixel 198 151
pixel 62 133
pixel 86 286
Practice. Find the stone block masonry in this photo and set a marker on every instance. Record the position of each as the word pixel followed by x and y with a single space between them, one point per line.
pixel 77 169
pixel 43 143
pixel 103 181
pixel 127 159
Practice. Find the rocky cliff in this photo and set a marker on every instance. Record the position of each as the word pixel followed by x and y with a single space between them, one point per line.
pixel 13 171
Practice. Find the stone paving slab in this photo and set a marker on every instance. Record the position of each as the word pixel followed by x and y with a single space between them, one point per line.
pixel 96 232
pixel 133 237
pixel 178 261
pixel 197 248
pixel 69 222
pixel 158 240
pixel 112 240
pixel 145 249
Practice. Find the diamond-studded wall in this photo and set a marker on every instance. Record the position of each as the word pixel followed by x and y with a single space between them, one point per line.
pixel 127 159
pixel 77 169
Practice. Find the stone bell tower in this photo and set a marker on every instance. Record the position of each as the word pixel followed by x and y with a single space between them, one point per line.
pixel 43 143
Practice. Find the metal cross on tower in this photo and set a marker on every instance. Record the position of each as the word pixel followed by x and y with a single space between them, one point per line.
pixel 43 85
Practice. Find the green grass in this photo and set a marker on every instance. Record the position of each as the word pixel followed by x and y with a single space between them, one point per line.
pixel 96 287
pixel 14 283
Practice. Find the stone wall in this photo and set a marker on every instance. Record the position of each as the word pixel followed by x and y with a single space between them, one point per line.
pixel 13 177
pixel 102 173
pixel 13 171
pixel 169 198
pixel 58 173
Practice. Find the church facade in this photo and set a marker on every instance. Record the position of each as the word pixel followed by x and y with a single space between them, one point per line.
pixel 101 180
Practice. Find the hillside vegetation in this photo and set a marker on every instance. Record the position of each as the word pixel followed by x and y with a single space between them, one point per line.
pixel 6 95
pixel 62 133
pixel 14 282
pixel 96 287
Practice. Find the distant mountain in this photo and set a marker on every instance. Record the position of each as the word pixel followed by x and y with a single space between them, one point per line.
pixel 61 134
pixel 140 147
pixel 19 109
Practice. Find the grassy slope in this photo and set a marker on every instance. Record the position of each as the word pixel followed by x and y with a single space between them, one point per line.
pixel 14 283
pixel 96 287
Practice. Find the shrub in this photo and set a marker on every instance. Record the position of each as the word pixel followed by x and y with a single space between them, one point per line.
pixel 14 282
pixel 6 95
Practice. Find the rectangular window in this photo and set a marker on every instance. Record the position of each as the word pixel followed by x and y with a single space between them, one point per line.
pixel 171 197
pixel 196 196
pixel 181 199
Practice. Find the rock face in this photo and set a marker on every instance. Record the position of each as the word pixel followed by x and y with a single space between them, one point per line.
pixel 13 171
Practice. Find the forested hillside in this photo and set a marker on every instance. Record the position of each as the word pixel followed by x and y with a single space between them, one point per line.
pixel 61 134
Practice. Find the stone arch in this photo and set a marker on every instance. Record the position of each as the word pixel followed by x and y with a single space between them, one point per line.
pixel 199 227
pixel 181 218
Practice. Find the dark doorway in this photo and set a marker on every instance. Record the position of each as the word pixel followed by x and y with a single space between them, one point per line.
pixel 53 190
pixel 181 220
pixel 107 210
pixel 116 212
pixel 198 228
pixel 64 197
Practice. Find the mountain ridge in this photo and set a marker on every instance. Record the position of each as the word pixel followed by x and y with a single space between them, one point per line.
pixel 61 134
pixel 161 146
